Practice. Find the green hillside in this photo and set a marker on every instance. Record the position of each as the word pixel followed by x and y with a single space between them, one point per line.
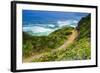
pixel 47 46
pixel 80 49
pixel 33 44
pixel 84 27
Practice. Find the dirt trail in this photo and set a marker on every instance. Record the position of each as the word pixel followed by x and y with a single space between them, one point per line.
pixel 68 42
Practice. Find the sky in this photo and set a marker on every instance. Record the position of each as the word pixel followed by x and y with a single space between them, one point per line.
pixel 45 22
pixel 35 16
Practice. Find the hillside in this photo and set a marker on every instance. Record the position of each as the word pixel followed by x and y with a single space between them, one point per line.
pixel 63 44
pixel 84 26
pixel 34 44
pixel 80 49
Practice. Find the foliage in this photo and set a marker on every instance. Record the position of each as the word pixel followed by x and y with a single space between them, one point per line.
pixel 78 50
pixel 44 43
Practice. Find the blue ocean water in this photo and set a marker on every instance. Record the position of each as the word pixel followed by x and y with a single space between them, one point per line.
pixel 42 23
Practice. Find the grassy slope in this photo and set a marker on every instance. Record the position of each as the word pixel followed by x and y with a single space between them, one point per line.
pixel 34 44
pixel 79 50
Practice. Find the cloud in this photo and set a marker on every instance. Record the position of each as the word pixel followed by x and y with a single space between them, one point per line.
pixel 35 29
pixel 46 29
pixel 75 21
pixel 67 22
pixel 51 25
pixel 40 31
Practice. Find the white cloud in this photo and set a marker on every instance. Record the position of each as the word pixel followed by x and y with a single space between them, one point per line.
pixel 67 22
pixel 42 29
pixel 39 30
pixel 51 25
pixel 62 23
pixel 75 21
pixel 35 29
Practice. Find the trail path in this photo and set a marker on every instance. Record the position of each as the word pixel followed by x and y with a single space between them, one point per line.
pixel 68 42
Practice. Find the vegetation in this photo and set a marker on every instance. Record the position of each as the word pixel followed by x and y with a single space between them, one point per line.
pixel 79 50
pixel 32 44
